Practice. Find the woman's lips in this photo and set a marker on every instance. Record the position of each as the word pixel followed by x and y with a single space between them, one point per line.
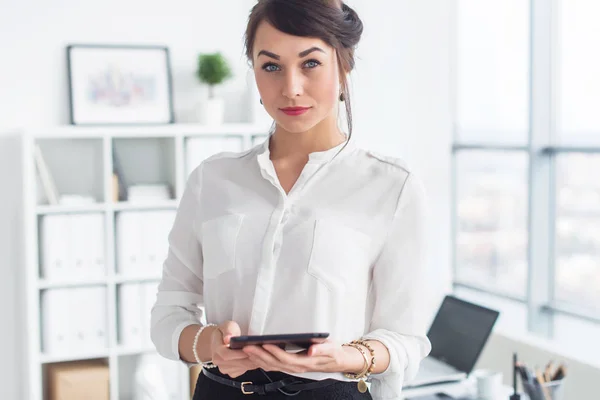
pixel 295 110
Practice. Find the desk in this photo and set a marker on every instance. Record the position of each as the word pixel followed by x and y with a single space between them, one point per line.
pixel 467 387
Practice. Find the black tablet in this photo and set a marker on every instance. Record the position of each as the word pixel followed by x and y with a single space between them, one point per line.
pixel 288 341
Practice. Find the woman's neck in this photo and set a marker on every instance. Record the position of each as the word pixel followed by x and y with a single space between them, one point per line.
pixel 321 137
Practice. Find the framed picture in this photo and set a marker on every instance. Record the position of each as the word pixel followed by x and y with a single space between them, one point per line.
pixel 111 84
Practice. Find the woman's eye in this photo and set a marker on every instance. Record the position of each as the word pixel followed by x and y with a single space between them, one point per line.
pixel 312 63
pixel 270 67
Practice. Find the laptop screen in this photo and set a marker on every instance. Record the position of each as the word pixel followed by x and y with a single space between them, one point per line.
pixel 459 332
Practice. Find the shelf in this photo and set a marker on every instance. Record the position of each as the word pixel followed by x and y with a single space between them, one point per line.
pixel 64 209
pixel 130 351
pixel 101 207
pixel 53 358
pixel 136 278
pixel 149 131
pixel 126 206
pixel 45 284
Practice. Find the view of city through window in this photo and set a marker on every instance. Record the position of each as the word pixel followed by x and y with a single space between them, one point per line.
pixel 578 229
pixel 491 237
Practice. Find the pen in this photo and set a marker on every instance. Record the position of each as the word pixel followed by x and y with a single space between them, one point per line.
pixel 548 371
pixel 515 373
pixel 560 373
pixel 540 380
pixel 521 371
pixel 516 367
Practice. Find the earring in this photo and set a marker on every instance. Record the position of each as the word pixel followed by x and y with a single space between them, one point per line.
pixel 261 101
pixel 342 98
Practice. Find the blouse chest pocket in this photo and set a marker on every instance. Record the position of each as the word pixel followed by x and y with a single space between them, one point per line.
pixel 219 239
pixel 340 255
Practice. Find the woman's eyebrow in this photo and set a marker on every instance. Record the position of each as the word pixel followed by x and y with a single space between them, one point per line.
pixel 301 54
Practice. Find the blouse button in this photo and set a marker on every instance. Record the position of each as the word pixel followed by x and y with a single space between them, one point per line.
pixel 286 215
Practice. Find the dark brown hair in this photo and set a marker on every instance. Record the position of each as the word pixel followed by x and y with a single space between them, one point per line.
pixel 329 20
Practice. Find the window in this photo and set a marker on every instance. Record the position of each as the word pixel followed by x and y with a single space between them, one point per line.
pixel 526 157
pixel 491 234
pixel 577 156
pixel 492 71
pixel 578 63
pixel 578 230
pixel 492 117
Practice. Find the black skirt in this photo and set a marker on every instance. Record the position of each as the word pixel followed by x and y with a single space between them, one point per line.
pixel 207 389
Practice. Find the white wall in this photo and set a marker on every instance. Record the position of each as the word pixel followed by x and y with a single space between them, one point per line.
pixel 402 101
pixel 401 84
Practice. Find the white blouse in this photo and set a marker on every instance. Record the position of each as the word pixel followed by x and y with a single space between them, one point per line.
pixel 342 253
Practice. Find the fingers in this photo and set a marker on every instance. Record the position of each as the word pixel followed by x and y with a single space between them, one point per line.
pixel 321 349
pixel 231 362
pixel 225 353
pixel 229 329
pixel 262 358
pixel 220 341
pixel 281 355
pixel 235 369
pixel 272 358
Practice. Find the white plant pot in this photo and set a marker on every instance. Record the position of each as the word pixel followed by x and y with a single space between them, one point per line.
pixel 211 111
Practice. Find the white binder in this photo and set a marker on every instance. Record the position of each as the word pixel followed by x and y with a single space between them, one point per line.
pixel 57 332
pixel 79 245
pixel 148 232
pixel 129 243
pixel 54 251
pixel 92 318
pixel 97 246
pixel 130 316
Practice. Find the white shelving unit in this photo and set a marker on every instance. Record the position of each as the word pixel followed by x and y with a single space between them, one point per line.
pixel 80 159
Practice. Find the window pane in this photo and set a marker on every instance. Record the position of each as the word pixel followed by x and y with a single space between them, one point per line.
pixel 493 70
pixel 578 229
pixel 578 66
pixel 491 237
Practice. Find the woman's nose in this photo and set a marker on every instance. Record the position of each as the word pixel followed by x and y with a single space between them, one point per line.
pixel 293 85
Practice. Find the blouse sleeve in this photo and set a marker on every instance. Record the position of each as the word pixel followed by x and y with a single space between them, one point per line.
pixel 399 316
pixel 180 292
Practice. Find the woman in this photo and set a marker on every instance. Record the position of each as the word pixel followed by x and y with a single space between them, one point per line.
pixel 304 233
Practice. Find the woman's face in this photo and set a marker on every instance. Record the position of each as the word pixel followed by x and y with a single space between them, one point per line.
pixel 295 72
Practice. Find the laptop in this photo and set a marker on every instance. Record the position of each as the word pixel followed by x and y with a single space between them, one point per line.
pixel 458 334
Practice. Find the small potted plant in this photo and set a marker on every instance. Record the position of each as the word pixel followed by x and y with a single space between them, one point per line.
pixel 213 69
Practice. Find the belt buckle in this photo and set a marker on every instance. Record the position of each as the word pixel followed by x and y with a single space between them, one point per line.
pixel 244 391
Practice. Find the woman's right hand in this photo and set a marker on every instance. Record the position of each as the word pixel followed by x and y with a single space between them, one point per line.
pixel 231 362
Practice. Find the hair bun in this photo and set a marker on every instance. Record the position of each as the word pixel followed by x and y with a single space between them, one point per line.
pixel 353 27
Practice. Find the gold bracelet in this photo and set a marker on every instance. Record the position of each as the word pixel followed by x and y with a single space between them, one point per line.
pixel 366 344
pixel 362 386
pixel 359 375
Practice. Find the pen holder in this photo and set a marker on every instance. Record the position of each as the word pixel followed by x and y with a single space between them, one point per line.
pixel 554 390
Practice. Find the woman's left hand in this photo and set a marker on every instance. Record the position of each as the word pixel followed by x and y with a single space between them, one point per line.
pixel 323 357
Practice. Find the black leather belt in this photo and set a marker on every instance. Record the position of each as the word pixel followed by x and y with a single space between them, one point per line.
pixel 289 384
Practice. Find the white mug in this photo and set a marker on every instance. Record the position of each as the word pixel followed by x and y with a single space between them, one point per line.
pixel 489 384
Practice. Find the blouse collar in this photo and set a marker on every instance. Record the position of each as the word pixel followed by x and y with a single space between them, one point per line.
pixel 319 157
